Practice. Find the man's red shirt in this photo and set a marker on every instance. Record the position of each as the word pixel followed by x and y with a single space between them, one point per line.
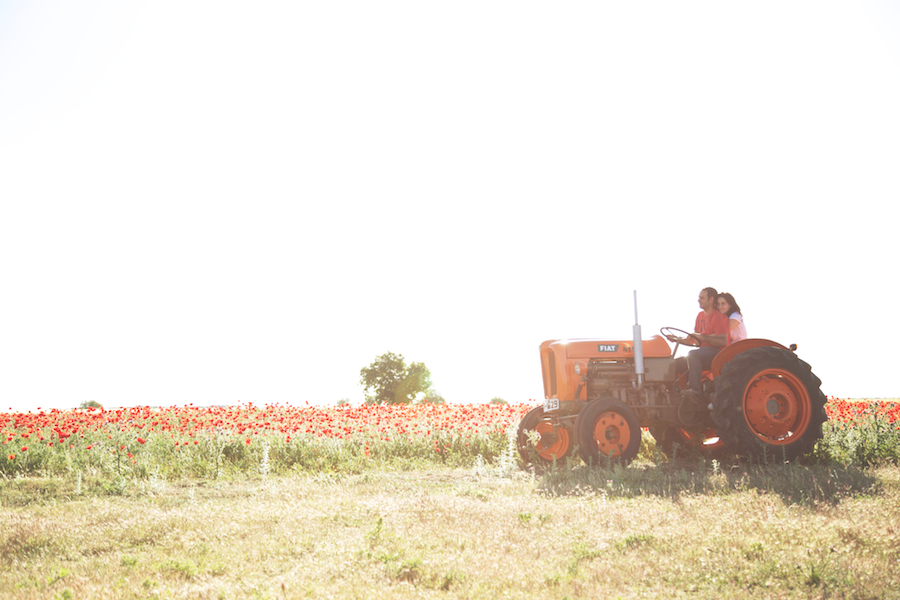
pixel 714 323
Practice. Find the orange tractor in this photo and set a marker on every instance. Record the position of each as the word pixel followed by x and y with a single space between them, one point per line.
pixel 600 393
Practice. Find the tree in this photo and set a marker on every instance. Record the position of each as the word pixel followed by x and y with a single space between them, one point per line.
pixel 391 381
pixel 90 404
pixel 498 400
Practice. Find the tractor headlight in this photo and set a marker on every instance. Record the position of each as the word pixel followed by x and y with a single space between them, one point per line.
pixel 580 368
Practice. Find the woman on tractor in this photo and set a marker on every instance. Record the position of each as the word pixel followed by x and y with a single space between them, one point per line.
pixel 726 304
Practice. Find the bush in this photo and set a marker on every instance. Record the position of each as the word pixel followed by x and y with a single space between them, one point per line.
pixel 869 439
pixel 433 397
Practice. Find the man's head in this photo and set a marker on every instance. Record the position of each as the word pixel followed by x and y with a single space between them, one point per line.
pixel 707 299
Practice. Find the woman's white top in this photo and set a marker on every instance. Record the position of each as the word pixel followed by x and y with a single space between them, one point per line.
pixel 740 331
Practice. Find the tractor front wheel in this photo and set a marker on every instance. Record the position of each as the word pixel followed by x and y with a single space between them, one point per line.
pixel 608 430
pixel 768 404
pixel 552 442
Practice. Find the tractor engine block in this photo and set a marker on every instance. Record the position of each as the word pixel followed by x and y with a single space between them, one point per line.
pixel 655 400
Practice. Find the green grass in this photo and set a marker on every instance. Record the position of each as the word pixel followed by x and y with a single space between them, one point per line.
pixel 319 518
pixel 670 530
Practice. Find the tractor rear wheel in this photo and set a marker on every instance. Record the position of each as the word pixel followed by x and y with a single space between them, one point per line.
pixel 607 430
pixel 555 441
pixel 768 404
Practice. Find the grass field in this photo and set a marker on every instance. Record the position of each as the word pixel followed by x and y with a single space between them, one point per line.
pixel 452 518
pixel 666 531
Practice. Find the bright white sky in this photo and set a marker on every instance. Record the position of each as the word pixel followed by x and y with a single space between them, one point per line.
pixel 222 202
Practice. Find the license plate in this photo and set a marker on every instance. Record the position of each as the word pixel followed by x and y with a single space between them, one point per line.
pixel 551 404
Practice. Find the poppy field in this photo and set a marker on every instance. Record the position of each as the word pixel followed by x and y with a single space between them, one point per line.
pixel 209 442
pixel 852 413
pixel 860 432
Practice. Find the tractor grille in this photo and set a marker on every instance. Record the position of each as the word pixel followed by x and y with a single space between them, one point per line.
pixel 551 367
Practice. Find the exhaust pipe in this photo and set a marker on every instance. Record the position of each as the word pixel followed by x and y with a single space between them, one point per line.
pixel 638 349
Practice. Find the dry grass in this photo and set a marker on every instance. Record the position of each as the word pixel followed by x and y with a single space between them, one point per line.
pixel 460 534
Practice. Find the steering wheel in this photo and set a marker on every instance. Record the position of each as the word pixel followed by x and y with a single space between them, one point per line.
pixel 667 331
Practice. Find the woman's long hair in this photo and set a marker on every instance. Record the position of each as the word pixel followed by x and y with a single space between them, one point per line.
pixel 734 305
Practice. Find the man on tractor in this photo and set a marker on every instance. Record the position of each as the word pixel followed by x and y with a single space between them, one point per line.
pixel 710 335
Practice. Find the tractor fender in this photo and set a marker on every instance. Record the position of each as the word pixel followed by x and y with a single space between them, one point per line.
pixel 736 348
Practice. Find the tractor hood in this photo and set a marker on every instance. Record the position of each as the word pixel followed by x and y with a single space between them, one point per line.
pixel 655 347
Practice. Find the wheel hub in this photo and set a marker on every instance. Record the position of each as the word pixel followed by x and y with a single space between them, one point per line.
pixel 611 434
pixel 554 441
pixel 548 438
pixel 776 406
